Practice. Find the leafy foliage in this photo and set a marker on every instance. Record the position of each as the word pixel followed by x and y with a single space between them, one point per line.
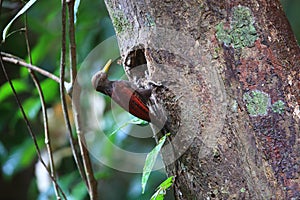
pixel 17 153
pixel 162 188
pixel 150 161
pixel 21 12
pixel 6 92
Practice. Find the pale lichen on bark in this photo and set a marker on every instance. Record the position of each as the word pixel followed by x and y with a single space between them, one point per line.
pixel 242 32
pixel 219 61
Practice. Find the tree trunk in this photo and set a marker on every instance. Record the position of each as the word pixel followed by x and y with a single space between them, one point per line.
pixel 227 82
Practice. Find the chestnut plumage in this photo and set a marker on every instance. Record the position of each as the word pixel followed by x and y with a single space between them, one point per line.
pixel 124 93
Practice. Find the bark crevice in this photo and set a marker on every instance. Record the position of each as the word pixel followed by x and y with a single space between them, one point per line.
pixel 231 101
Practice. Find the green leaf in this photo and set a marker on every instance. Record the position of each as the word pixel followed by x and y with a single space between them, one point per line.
pixel 50 89
pixel 45 44
pixel 21 157
pixel 138 121
pixel 6 90
pixel 31 107
pixel 119 128
pixel 23 10
pixel 158 196
pixel 65 181
pixel 161 189
pixel 150 161
pixel 79 191
pixel 76 6
pixel 167 183
pixel 135 121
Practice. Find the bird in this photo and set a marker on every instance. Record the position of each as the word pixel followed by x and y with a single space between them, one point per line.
pixel 125 93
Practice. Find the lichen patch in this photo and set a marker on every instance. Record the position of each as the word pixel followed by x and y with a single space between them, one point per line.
pixel 257 102
pixel 242 32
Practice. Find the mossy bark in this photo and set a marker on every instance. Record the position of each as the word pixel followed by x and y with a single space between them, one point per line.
pixel 229 76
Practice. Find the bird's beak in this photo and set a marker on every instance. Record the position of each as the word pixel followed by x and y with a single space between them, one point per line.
pixel 106 67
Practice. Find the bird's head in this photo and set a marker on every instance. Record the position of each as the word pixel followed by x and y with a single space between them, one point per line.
pixel 100 80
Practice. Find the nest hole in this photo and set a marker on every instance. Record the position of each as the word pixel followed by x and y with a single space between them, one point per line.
pixel 136 63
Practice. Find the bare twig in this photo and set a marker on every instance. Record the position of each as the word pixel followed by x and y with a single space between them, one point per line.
pixel 45 117
pixel 73 62
pixel 18 61
pixel 92 183
pixel 28 125
pixel 73 142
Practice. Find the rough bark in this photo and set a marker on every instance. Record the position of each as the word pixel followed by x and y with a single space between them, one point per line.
pixel 229 72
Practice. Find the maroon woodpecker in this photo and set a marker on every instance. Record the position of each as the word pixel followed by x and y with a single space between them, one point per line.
pixel 124 93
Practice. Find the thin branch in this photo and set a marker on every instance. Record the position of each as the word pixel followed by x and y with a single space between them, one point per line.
pixel 92 183
pixel 73 142
pixel 45 117
pixel 18 61
pixel 73 60
pixel 28 125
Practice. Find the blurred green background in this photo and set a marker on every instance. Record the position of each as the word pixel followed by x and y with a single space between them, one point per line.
pixel 20 175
